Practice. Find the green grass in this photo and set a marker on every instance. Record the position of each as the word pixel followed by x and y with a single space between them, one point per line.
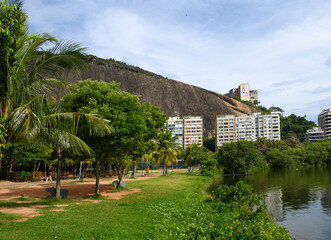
pixel 168 207
pixel 128 218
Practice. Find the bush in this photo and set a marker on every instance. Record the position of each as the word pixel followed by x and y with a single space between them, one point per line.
pixel 205 172
pixel 228 215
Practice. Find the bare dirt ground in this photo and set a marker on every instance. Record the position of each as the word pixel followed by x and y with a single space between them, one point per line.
pixel 77 190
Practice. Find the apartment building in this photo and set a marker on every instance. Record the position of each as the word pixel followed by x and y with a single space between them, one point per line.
pixel 193 131
pixel 246 128
pixel 314 134
pixel 176 126
pixel 267 126
pixel 244 93
pixel 231 129
pixel 324 122
pixel 225 129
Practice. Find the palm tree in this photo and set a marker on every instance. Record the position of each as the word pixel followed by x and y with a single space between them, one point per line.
pixel 30 68
pixel 60 130
pixel 168 149
pixel 147 158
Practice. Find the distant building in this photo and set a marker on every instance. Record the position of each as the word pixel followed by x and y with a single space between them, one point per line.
pixel 193 130
pixel 244 93
pixel 225 129
pixel 267 126
pixel 176 126
pixel 187 130
pixel 231 129
pixel 314 134
pixel 324 122
pixel 246 128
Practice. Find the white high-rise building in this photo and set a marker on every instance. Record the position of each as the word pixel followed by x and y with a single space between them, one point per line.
pixel 267 126
pixel 193 130
pixel 246 128
pixel 231 129
pixel 324 122
pixel 225 129
pixel 176 126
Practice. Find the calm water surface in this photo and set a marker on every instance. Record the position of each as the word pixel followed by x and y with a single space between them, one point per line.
pixel 299 200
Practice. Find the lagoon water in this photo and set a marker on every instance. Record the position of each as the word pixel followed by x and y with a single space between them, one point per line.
pixel 299 200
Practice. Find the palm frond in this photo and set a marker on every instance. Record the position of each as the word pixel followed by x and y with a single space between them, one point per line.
pixel 24 123
pixel 64 140
pixel 63 55
pixel 69 122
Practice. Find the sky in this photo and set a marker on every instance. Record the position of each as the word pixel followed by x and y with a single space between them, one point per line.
pixel 281 48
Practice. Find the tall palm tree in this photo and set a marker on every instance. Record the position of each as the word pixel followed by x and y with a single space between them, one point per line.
pixel 31 66
pixel 168 149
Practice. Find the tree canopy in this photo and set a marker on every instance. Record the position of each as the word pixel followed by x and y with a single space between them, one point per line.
pixel 240 157
pixel 133 123
pixel 295 126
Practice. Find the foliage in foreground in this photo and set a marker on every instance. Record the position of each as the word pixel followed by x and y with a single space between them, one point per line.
pixel 229 215
pixel 178 211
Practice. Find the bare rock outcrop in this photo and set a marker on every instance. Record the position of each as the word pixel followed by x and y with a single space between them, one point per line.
pixel 170 95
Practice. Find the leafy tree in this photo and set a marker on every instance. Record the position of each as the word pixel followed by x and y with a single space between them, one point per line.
pixel 195 155
pixel 295 126
pixel 133 124
pixel 263 145
pixel 210 144
pixel 154 121
pixel 190 155
pixel 278 159
pixel 240 157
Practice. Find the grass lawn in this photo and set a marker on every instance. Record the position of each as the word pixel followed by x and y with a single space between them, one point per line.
pixel 136 216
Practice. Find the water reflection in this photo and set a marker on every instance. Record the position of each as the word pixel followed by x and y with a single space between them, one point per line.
pixel 274 203
pixel 300 200
pixel 326 201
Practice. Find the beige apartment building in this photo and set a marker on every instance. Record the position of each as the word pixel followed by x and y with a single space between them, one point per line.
pixel 225 129
pixel 244 93
pixel 193 131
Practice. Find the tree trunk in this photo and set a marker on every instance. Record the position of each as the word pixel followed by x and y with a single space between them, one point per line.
pixel 97 178
pixel 38 166
pixel 120 176
pixel 1 156
pixel 135 161
pixel 164 168
pixel 58 175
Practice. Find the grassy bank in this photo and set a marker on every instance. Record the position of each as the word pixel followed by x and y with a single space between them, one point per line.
pixel 168 207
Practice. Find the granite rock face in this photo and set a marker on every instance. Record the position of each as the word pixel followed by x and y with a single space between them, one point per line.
pixel 170 95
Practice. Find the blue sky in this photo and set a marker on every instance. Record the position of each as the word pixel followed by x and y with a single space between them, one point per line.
pixel 282 48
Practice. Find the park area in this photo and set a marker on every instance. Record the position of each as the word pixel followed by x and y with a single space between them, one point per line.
pixel 26 211
pixel 172 206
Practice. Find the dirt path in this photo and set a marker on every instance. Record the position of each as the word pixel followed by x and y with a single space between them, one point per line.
pixel 77 190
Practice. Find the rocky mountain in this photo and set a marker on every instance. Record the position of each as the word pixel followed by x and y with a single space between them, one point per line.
pixel 170 95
